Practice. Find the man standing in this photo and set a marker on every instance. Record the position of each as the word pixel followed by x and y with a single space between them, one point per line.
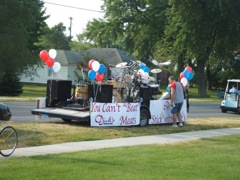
pixel 177 98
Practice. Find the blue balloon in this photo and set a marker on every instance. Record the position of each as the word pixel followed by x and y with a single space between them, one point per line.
pixel 146 69
pixel 186 74
pixel 91 74
pixel 141 66
pixel 190 76
pixel 102 69
pixel 51 69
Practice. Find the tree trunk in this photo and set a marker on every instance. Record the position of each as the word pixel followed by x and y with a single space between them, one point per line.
pixel 209 79
pixel 201 79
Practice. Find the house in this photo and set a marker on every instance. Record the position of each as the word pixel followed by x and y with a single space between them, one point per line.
pixel 74 64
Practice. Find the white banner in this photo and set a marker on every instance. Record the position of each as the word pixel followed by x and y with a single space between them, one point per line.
pixel 161 112
pixel 114 114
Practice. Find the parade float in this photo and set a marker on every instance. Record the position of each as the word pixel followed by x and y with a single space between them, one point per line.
pixel 129 97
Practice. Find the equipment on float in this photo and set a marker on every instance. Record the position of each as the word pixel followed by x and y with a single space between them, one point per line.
pixel 58 92
pixel 155 71
pixel 121 65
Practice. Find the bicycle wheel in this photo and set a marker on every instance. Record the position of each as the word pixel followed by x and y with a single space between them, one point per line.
pixel 8 141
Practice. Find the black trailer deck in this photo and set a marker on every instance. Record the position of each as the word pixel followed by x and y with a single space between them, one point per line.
pixel 63 113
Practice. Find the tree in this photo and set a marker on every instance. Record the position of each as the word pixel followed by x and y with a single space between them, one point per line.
pixel 135 26
pixel 21 26
pixel 206 30
pixel 10 85
pixel 82 43
pixel 55 38
pixel 199 33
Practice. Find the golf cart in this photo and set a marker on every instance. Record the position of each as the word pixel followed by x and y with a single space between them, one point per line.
pixel 231 101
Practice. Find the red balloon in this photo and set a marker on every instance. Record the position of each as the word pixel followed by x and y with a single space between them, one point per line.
pixel 90 63
pixel 181 75
pixel 188 68
pixel 99 77
pixel 50 62
pixel 43 55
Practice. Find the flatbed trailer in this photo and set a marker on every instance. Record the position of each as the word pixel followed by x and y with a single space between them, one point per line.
pixel 81 115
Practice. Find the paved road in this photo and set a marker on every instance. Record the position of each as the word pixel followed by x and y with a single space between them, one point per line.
pixel 201 110
pixel 21 111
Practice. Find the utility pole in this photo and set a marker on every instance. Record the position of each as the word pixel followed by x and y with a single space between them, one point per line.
pixel 70 28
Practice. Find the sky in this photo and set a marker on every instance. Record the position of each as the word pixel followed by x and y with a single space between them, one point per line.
pixel 80 17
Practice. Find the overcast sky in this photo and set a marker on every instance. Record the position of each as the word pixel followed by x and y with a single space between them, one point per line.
pixel 80 17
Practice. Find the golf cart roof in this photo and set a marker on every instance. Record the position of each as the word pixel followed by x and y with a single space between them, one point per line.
pixel 234 80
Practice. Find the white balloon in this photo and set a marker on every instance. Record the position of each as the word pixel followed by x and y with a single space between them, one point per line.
pixel 52 53
pixel 95 66
pixel 184 81
pixel 146 74
pixel 56 67
pixel 140 71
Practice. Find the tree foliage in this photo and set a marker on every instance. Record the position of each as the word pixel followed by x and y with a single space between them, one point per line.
pixel 21 26
pixel 200 33
pixel 205 31
pixel 135 26
pixel 55 38
pixel 10 85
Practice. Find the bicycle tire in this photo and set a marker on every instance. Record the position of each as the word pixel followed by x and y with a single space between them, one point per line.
pixel 10 140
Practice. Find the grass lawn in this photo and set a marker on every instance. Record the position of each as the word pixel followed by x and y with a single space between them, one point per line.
pixel 36 134
pixel 30 93
pixel 212 158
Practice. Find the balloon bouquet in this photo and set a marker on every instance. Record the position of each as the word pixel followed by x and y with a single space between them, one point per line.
pixel 143 72
pixel 186 76
pixel 96 71
pixel 48 58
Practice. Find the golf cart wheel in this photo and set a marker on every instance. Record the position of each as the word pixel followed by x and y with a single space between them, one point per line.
pixel 144 117
pixel 224 111
pixel 66 120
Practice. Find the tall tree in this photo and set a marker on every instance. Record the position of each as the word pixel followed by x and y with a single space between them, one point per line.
pixel 55 38
pixel 204 29
pixel 135 25
pixel 21 26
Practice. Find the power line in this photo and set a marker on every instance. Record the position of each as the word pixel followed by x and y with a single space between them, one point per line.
pixel 74 7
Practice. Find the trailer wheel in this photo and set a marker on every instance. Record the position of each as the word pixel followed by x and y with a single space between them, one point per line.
pixel 66 120
pixel 144 117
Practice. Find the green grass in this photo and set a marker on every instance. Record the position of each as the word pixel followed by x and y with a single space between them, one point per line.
pixel 30 90
pixel 193 95
pixel 30 93
pixel 213 158
pixel 36 134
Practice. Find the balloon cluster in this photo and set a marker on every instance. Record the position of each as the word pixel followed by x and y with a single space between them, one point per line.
pixel 96 71
pixel 143 71
pixel 186 75
pixel 48 58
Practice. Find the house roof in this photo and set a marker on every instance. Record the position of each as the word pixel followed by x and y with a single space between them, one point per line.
pixel 107 56
pixel 66 57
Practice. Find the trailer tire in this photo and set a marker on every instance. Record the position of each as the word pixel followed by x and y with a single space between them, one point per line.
pixel 144 117
pixel 66 120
